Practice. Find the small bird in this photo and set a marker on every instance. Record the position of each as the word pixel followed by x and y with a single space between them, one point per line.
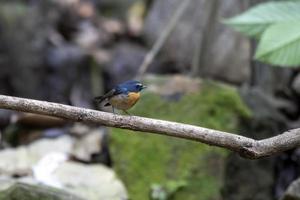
pixel 123 96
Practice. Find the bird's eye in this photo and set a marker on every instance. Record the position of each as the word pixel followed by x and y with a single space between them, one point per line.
pixel 139 86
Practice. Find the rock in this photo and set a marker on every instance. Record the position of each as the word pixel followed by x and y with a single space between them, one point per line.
pixel 91 145
pixel 113 26
pixel 54 133
pixel 296 84
pixel 88 145
pixel 46 162
pixel 286 171
pixel 135 19
pixel 242 179
pixel 10 190
pixel 52 54
pixel 15 162
pixel 20 161
pixel 42 147
pixel 63 61
pixel 87 36
pixel 171 85
pixel 265 105
pixel 5 117
pixel 102 183
pixel 293 191
pixel 22 53
pixel 91 182
pixel 179 46
pixel 115 8
pixel 36 120
pixel 223 53
pixel 44 169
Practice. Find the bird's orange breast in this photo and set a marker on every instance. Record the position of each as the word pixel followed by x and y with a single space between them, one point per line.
pixel 124 101
pixel 133 97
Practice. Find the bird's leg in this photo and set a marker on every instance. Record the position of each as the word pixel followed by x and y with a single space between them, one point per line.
pixel 125 111
pixel 113 110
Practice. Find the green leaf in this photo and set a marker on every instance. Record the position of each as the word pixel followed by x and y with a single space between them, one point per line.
pixel 254 21
pixel 280 45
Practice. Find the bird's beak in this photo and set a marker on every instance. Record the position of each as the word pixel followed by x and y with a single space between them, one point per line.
pixel 144 87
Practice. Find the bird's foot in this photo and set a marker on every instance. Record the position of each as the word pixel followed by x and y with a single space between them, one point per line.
pixel 125 111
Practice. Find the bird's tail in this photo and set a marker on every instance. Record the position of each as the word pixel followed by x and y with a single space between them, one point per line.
pixel 99 99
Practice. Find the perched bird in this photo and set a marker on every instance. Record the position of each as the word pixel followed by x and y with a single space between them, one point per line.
pixel 123 96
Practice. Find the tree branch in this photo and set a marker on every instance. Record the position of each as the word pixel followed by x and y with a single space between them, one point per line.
pixel 246 147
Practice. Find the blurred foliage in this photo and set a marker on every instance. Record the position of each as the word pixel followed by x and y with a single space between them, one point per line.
pixel 164 192
pixel 182 169
pixel 277 27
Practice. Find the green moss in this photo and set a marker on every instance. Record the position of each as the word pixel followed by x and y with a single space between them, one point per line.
pixel 142 159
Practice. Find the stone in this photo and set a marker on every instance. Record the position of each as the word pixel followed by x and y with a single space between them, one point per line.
pixel 15 162
pixel 135 19
pixel 42 147
pixel 22 53
pixel 296 84
pixel 49 54
pixel 115 8
pixel 88 145
pixel 10 190
pixel 174 84
pixel 91 182
pixel 5 117
pixel 46 162
pixel 293 191
pixel 19 161
pixel 44 169
pixel 242 179
pixel 223 54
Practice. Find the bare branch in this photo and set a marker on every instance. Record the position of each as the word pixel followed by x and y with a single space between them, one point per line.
pixel 246 147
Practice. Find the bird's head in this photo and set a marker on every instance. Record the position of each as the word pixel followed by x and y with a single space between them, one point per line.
pixel 132 86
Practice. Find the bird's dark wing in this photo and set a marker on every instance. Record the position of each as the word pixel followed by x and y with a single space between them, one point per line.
pixel 111 93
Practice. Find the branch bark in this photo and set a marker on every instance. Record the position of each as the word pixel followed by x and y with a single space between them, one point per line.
pixel 246 147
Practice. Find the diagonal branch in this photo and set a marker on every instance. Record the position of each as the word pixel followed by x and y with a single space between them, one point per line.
pixel 246 147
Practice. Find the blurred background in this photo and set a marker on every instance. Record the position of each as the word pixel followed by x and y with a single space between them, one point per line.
pixel 69 51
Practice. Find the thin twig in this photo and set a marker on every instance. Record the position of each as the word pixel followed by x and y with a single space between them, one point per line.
pixel 162 38
pixel 246 147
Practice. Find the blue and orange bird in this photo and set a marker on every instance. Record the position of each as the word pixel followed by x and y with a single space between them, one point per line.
pixel 123 96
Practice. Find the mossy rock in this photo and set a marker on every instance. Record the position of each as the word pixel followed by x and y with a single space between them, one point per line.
pixel 22 191
pixel 184 169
